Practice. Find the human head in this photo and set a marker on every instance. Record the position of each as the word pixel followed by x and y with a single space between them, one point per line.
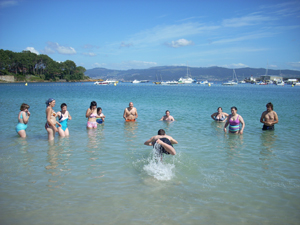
pixel 220 109
pixel 93 103
pixel 161 132
pixel 49 101
pixel 99 110
pixel 167 112
pixel 130 104
pixel 269 106
pixel 233 109
pixel 24 106
pixel 63 105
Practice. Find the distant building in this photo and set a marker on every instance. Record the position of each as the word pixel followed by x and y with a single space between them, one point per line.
pixel 270 77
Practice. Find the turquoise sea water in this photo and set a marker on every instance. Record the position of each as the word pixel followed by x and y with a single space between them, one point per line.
pixel 107 175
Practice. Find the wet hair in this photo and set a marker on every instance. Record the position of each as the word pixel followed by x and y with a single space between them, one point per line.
pixel 93 103
pixel 219 108
pixel 270 105
pixel 167 111
pixel 233 107
pixel 98 109
pixel 161 132
pixel 49 101
pixel 63 105
pixel 24 106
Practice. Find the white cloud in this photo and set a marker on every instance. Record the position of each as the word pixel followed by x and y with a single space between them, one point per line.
pixel 296 65
pixel 8 3
pixel 123 45
pixel 31 49
pixel 235 65
pixel 180 43
pixel 89 54
pixel 272 66
pixel 246 21
pixel 95 65
pixel 53 47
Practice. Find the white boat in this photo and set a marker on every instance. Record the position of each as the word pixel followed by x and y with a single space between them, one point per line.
pixel 280 83
pixel 136 82
pixel 203 82
pixel 169 82
pixel 297 84
pixel 144 81
pixel 111 81
pixel 101 83
pixel 234 80
pixel 242 82
pixel 187 79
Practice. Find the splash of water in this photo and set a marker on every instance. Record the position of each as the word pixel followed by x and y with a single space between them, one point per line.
pixel 157 168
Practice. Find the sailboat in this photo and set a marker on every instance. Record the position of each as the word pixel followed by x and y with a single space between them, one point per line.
pixel 234 80
pixel 187 79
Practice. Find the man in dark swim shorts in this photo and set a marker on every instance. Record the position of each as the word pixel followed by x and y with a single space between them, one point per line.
pixel 269 118
pixel 165 143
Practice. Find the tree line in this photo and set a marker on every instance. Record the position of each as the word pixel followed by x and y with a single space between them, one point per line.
pixel 41 66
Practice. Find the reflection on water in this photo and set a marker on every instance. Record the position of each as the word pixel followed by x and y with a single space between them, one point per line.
pixel 268 139
pixel 233 145
pixel 130 130
pixel 96 136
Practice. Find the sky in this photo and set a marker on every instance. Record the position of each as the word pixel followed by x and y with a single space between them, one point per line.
pixel 136 34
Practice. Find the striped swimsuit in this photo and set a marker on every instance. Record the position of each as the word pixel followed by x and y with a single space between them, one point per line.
pixel 234 125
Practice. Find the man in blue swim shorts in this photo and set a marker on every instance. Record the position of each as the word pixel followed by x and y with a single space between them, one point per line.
pixel 269 118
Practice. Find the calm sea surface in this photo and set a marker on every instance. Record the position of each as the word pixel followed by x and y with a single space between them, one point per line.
pixel 107 175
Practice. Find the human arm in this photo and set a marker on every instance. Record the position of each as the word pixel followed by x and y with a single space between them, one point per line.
pixel 136 114
pixel 213 116
pixel 275 118
pixel 88 113
pixel 243 124
pixel 69 116
pixel 262 118
pixel 149 142
pixel 173 141
pixel 124 114
pixel 226 124
pixel 26 117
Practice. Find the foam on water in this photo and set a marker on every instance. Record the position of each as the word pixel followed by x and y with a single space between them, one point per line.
pixel 157 168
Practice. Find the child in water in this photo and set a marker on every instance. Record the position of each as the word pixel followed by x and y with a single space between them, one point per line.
pixel 23 120
pixel 100 116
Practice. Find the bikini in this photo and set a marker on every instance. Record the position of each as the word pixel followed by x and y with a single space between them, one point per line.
pixel 21 126
pixel 234 125
pixel 220 119
pixel 92 124
pixel 47 125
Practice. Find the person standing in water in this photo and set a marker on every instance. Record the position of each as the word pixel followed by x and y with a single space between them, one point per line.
pixel 130 113
pixel 165 143
pixel 91 114
pixel 269 118
pixel 219 116
pixel 63 117
pixel 234 121
pixel 51 119
pixel 100 116
pixel 23 118
pixel 168 117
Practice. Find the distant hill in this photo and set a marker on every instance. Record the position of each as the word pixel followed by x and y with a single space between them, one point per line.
pixel 175 72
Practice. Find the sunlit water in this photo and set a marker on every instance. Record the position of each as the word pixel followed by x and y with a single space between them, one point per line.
pixel 107 175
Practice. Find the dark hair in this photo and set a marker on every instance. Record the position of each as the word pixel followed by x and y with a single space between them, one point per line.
pixel 24 106
pixel 93 103
pixel 167 111
pixel 63 105
pixel 161 132
pixel 219 108
pixel 270 105
pixel 233 107
pixel 98 109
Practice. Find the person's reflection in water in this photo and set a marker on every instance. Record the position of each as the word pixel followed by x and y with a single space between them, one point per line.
pixel 268 140
pixel 130 129
pixel 234 146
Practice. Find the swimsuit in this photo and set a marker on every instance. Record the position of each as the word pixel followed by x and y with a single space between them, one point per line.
pixel 64 121
pixel 220 119
pixel 234 125
pixel 92 124
pixel 265 127
pixel 99 121
pixel 160 149
pixel 47 125
pixel 130 120
pixel 21 126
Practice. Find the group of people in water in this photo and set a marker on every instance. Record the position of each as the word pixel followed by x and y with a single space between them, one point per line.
pixel 163 142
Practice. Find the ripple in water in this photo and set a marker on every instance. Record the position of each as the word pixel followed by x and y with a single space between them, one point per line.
pixel 157 168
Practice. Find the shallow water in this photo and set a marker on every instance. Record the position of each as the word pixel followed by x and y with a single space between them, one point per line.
pixel 107 175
